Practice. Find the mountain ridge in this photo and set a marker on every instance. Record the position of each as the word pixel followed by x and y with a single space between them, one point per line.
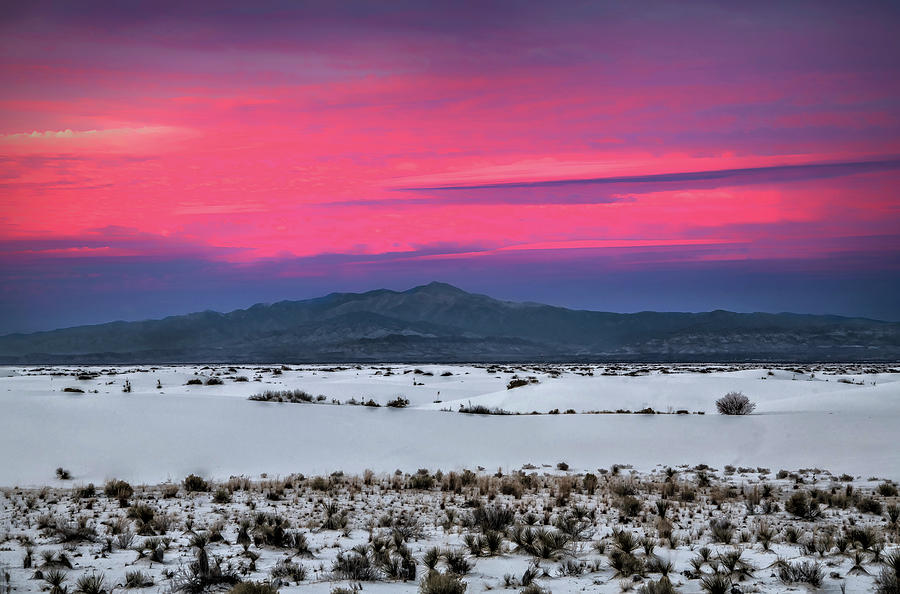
pixel 438 321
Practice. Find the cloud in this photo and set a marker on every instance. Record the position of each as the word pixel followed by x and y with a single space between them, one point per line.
pixel 739 176
pixel 78 134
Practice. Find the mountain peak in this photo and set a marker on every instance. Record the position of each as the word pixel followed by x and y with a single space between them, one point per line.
pixel 437 288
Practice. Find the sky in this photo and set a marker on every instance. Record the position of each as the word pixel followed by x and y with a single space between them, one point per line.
pixel 168 157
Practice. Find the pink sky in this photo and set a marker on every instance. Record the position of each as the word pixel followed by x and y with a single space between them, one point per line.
pixel 237 137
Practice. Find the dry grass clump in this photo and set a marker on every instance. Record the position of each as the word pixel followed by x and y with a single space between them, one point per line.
pixel 295 396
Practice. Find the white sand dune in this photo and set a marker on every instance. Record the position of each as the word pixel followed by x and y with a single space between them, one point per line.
pixel 152 435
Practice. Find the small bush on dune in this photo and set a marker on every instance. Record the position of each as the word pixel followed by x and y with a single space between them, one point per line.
pixel 117 489
pixel 441 583
pixel 398 402
pixel 480 409
pixel 193 483
pixel 194 382
pixel 493 518
pixel 85 492
pixel 354 566
pixel 55 578
pixel 808 572
pixel 137 579
pixel 869 505
pixel 716 583
pixel 295 396
pixel 290 570
pixel 887 490
pixel 91 584
pixel 421 480
pixel 735 403
pixel 214 381
pixel 63 474
pixel 253 588
pixel 801 505
pixel 722 530
pixel 663 586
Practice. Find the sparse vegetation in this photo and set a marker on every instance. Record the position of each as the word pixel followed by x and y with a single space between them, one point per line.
pixel 735 403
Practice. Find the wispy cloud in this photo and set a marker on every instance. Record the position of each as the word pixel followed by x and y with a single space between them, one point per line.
pixel 740 176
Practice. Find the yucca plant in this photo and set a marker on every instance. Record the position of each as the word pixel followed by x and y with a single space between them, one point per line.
pixel 91 584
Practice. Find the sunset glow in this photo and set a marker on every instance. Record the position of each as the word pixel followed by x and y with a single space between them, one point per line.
pixel 615 156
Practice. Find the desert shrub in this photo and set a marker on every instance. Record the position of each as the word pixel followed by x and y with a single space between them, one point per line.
pixel 222 496
pixel 194 382
pixel 577 527
pixel 202 576
pixel 866 537
pixel 55 578
pixel 63 474
pixel 887 490
pixel 271 530
pixel 570 567
pixel 117 489
pixel 85 492
pixel 662 586
pixel 91 584
pixel 74 390
pixel 354 566
pixel 722 530
pixel 253 588
pixel 480 409
pixel 457 562
pixel 214 381
pixel 893 512
pixel 431 558
pixel 716 583
pixel 435 582
pixel 516 383
pixel 77 531
pixel 869 505
pixel 629 506
pixel 288 569
pixel 421 480
pixel 493 518
pixel 888 580
pixel 512 487
pixel 398 402
pixel 137 579
pixel 193 484
pixel 800 504
pixel 735 403
pixel 808 572
pixel 295 396
pixel 540 542
pixel 625 563
pixel 125 539
pixel 335 518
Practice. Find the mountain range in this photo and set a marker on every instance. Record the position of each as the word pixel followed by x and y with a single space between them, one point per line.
pixel 439 322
